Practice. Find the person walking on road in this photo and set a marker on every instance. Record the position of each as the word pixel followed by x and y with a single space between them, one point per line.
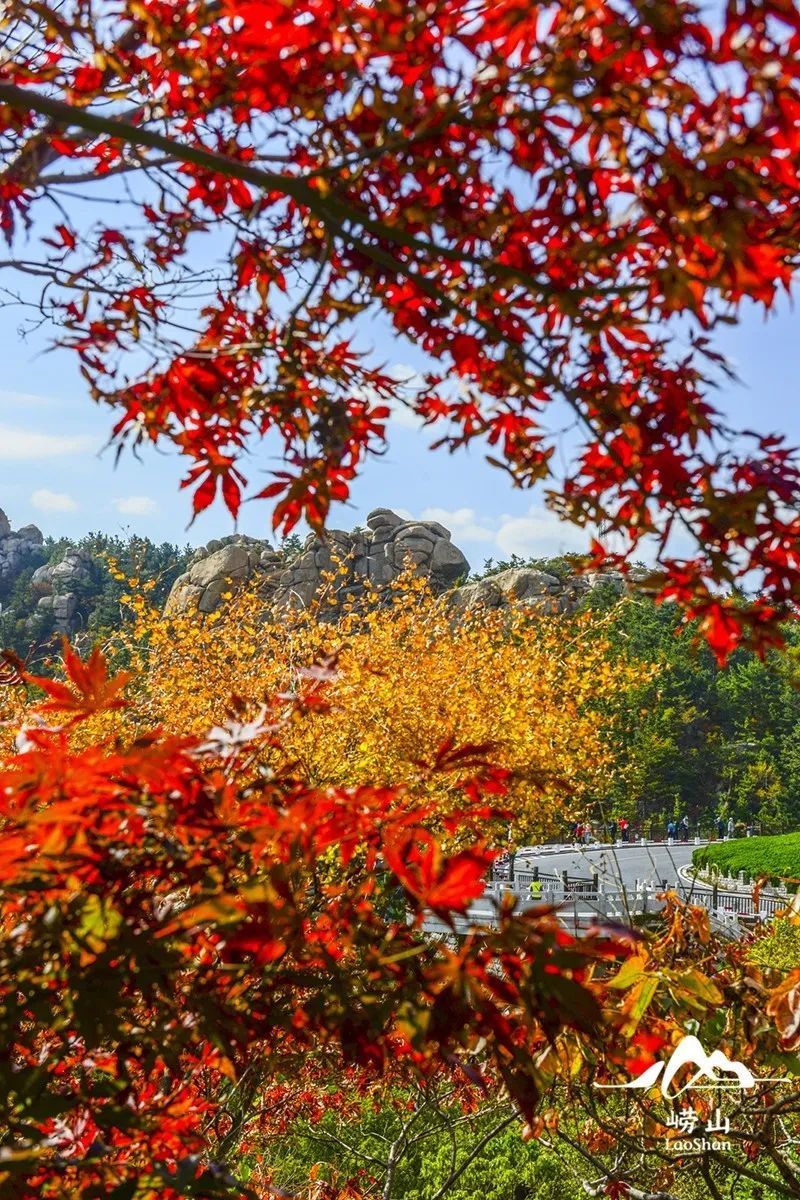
pixel 731 827
pixel 684 828
pixel 671 829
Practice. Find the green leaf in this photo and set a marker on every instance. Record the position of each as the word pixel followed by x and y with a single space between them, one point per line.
pixel 99 922
pixel 630 972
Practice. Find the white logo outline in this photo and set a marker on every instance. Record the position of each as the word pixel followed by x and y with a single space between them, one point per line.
pixel 690 1050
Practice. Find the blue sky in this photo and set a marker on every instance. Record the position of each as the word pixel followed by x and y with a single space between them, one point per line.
pixel 53 471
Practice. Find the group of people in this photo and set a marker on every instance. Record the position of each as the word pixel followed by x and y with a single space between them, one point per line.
pixel 679 829
pixel 727 829
pixel 581 832
pixel 619 829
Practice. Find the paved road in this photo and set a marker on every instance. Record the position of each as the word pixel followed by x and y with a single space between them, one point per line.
pixel 619 864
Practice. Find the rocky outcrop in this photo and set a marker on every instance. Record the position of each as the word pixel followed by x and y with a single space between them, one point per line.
pixel 50 587
pixel 18 551
pixel 355 566
pixel 57 588
pixel 370 559
pixel 221 566
pixel 360 562
pixel 535 589
pixel 345 568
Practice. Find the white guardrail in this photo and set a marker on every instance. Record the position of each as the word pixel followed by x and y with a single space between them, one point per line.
pixel 586 902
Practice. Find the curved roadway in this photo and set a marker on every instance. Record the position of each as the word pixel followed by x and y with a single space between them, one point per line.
pixel 621 864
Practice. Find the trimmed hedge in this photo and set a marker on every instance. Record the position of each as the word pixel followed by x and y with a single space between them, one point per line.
pixel 776 857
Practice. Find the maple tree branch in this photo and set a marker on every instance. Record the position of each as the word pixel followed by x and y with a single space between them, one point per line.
pixel 328 1137
pixel 714 1191
pixel 47 153
pixel 67 115
pixel 455 1175
pixel 789 1174
pixel 738 1167
pixel 298 187
pixel 66 180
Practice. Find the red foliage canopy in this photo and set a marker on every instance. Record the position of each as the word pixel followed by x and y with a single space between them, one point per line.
pixel 556 203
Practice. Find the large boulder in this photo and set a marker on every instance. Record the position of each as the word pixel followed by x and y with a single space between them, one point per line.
pixel 357 567
pixel 530 588
pixel 475 597
pixel 220 567
pixel 58 587
pixel 383 518
pixel 63 609
pixel 518 585
pixel 75 568
pixel 447 563
pixel 31 533
pixel 523 584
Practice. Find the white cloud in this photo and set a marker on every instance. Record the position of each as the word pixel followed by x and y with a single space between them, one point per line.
pixel 19 445
pixel 53 502
pixel 538 533
pixel 409 383
pixel 136 506
pixel 462 522
pixel 404 417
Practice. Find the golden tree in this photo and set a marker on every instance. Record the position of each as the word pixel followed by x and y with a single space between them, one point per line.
pixel 542 691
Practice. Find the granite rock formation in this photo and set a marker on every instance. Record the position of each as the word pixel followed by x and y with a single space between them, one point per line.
pixel 221 566
pixel 364 561
pixel 64 585
pixel 57 588
pixel 18 551
pixel 360 560
pixel 532 588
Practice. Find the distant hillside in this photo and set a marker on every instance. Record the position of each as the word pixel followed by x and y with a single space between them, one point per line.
pixel 52 586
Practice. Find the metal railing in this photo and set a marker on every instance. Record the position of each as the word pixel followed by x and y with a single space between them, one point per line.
pixel 584 902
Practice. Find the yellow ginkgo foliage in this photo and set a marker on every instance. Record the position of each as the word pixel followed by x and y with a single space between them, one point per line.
pixel 408 677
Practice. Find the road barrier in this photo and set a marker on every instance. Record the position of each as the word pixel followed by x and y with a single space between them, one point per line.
pixel 585 902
